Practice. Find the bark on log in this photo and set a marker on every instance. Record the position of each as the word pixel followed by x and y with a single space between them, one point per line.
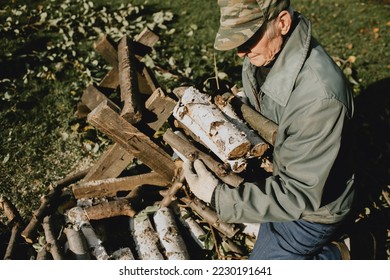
pixel 77 244
pixel 111 80
pixel 111 186
pixel 43 254
pixel 201 116
pixel 210 216
pixel 146 239
pixel 16 221
pixel 184 148
pixel 10 211
pixel 258 145
pixel 122 254
pixel 110 164
pixel 12 243
pixel 170 194
pixel 132 110
pixel 49 203
pixel 266 128
pixel 78 217
pixel 194 228
pixel 128 206
pixel 169 235
pixel 115 208
pixel 135 142
pixel 51 241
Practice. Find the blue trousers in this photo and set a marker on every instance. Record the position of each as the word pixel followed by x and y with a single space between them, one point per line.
pixel 296 240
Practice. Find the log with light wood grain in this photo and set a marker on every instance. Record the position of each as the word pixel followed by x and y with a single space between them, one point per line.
pixel 108 50
pixel 110 164
pixel 127 206
pixel 132 109
pixel 111 186
pixel 49 203
pixel 160 106
pixel 133 140
pixel 92 97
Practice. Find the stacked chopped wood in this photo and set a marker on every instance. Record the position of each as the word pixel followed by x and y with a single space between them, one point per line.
pixel 88 213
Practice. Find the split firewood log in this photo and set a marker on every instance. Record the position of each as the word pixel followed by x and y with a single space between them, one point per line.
pixel 111 186
pixel 132 110
pixel 169 235
pixel 132 139
pixel 79 219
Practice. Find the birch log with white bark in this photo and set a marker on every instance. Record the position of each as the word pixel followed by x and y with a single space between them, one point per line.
pixel 196 111
pixel 258 145
pixel 77 217
pixel 76 243
pixel 146 239
pixel 194 228
pixel 122 254
pixel 169 235
pixel 52 244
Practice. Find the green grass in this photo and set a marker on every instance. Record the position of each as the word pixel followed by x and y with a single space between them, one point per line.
pixel 42 75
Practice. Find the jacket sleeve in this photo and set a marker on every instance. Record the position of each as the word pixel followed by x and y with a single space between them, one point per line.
pixel 302 162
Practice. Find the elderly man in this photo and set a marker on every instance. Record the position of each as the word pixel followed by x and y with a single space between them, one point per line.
pixel 289 78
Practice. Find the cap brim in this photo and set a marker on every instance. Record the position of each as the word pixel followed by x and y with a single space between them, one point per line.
pixel 228 38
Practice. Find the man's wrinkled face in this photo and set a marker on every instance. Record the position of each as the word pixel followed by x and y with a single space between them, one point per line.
pixel 262 48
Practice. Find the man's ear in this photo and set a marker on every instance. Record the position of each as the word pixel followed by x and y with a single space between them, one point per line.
pixel 284 22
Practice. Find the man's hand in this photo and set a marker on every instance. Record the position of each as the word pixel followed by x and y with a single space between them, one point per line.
pixel 202 183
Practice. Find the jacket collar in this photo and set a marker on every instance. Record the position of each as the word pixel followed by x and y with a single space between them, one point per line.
pixel 281 79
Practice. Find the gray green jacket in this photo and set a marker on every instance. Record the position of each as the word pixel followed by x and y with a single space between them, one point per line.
pixel 306 94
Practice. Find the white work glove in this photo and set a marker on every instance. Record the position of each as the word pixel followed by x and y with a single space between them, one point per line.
pixel 202 183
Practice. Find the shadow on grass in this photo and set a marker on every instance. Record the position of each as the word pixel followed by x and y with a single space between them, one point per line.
pixel 372 155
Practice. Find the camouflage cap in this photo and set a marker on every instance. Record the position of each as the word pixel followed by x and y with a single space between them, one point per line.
pixel 240 19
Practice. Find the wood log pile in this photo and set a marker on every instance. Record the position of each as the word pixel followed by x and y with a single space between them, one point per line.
pixel 112 211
